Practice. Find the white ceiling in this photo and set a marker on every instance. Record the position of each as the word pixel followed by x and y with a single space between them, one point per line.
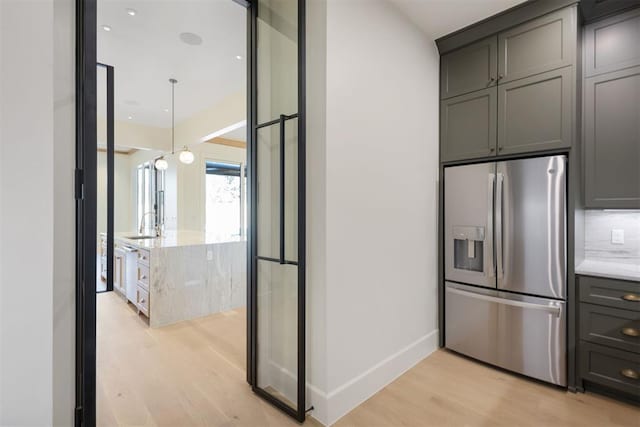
pixel 146 51
pixel 441 17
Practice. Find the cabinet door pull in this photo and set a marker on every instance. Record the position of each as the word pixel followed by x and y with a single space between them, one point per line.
pixel 630 373
pixel 631 297
pixel 631 332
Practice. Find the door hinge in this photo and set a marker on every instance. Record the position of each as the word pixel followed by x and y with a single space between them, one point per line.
pixel 78 421
pixel 79 184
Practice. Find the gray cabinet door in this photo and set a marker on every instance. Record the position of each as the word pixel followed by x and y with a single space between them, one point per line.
pixel 612 44
pixel 540 45
pixel 536 113
pixel 468 125
pixel 612 139
pixel 470 68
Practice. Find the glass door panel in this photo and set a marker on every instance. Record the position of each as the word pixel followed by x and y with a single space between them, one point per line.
pixel 277 298
pixel 278 191
pixel 277 58
pixel 291 190
pixel 268 197
pixel 104 178
pixel 278 331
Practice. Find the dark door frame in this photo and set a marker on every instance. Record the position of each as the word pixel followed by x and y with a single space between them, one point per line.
pixel 86 211
pixel 110 172
pixel 299 412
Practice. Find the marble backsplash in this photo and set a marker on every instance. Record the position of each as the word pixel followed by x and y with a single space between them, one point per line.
pixel 598 226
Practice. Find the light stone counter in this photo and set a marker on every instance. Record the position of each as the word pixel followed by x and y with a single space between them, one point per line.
pixel 609 269
pixel 603 258
pixel 192 274
pixel 172 239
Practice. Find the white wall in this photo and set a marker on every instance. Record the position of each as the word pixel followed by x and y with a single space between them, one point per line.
pixel 64 260
pixel 36 216
pixel 381 165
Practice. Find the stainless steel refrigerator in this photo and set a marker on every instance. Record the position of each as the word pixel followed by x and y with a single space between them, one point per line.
pixel 505 264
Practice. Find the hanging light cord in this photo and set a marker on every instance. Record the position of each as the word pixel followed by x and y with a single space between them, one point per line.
pixel 173 120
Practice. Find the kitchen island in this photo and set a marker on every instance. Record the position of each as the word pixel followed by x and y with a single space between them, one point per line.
pixel 184 275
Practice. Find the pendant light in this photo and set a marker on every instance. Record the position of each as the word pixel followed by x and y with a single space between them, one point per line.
pixel 186 156
pixel 161 163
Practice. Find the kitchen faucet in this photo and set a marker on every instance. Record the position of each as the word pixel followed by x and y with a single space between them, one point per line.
pixel 142 224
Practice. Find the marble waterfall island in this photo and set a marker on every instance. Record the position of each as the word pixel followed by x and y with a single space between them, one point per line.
pixel 187 275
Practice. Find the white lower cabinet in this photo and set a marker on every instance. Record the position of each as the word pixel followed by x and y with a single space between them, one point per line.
pixel 142 279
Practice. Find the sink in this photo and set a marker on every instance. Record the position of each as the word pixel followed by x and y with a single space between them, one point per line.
pixel 140 237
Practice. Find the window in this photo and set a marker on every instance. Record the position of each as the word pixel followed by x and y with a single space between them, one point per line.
pixel 150 196
pixel 225 199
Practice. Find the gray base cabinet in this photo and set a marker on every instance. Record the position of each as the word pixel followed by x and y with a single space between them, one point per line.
pixel 536 113
pixel 609 331
pixel 467 125
pixel 611 368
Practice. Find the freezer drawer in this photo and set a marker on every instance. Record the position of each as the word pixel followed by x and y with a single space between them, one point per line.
pixel 519 333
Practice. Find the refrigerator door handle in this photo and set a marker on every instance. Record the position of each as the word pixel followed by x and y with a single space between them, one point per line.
pixel 490 263
pixel 553 309
pixel 499 224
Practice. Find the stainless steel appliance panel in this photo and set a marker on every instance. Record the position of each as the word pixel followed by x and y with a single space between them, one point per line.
pixel 519 333
pixel 530 226
pixel 468 221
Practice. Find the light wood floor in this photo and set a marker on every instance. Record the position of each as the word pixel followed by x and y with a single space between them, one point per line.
pixel 193 373
pixel 446 389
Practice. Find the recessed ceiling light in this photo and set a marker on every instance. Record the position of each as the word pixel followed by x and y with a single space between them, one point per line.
pixel 191 38
pixel 130 117
pixel 106 28
pixel 238 57
pixel 131 12
pixel 166 110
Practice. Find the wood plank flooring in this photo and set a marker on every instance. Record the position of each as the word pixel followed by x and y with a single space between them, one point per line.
pixel 193 373
pixel 188 374
pixel 447 389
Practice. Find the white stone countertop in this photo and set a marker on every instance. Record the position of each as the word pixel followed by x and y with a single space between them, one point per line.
pixel 171 239
pixel 609 269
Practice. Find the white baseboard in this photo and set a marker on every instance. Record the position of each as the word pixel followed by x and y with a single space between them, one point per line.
pixel 329 408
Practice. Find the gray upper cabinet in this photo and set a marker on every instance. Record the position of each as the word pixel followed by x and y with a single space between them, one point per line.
pixel 596 9
pixel 540 45
pixel 536 113
pixel 612 44
pixel 468 125
pixel 470 68
pixel 513 92
pixel 612 139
